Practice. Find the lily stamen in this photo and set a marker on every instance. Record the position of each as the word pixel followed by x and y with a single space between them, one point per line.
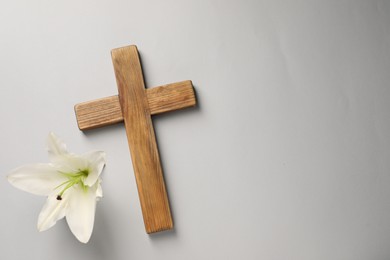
pixel 73 179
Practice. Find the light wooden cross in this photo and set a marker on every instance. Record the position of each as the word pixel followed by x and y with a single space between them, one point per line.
pixel 134 105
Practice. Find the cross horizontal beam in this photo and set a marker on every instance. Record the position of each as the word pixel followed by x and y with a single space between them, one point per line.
pixel 107 111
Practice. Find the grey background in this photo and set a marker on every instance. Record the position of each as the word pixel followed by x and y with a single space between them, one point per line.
pixel 286 156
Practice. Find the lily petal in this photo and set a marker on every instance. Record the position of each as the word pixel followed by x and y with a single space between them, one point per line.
pixel 97 161
pixel 38 179
pixel 70 163
pixel 52 211
pixel 99 190
pixel 55 146
pixel 80 213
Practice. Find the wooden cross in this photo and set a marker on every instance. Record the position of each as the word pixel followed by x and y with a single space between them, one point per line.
pixel 134 105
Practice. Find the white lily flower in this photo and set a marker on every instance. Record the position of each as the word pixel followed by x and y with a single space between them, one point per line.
pixel 71 183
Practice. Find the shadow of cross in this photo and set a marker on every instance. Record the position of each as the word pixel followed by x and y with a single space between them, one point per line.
pixel 134 105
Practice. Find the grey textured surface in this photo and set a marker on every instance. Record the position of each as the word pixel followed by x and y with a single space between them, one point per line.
pixel 286 156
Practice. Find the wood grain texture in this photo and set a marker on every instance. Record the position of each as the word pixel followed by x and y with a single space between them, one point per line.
pixel 141 139
pixel 107 111
pixel 98 113
pixel 171 97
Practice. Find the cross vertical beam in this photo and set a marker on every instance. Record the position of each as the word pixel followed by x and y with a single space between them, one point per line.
pixel 141 139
